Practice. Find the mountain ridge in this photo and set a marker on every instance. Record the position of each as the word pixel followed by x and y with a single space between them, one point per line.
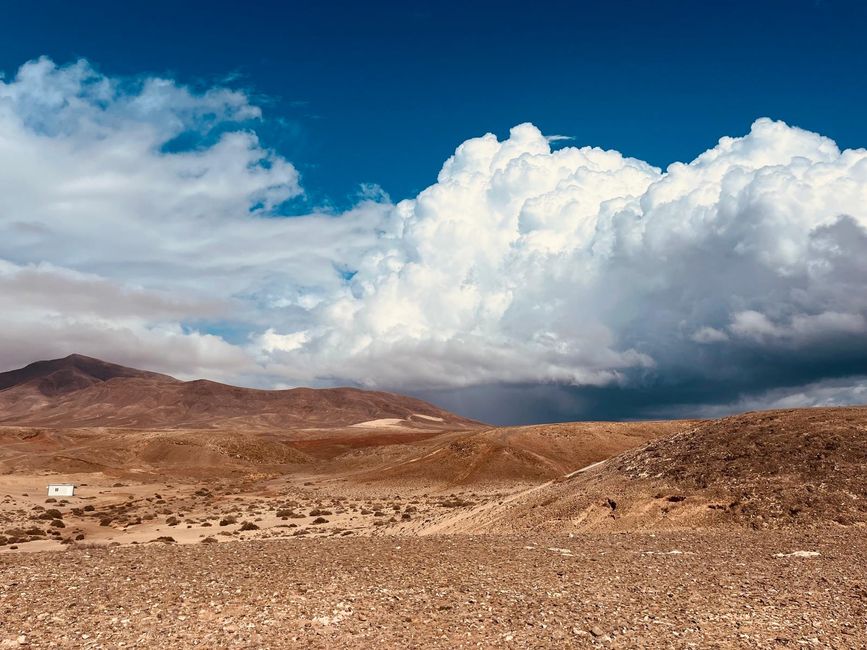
pixel 83 391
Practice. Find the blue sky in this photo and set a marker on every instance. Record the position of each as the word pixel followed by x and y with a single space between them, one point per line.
pixel 194 188
pixel 382 92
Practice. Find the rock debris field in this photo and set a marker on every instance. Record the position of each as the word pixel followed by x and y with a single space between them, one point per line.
pixel 719 589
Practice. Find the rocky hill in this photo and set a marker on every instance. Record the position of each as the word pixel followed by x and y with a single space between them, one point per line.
pixel 799 467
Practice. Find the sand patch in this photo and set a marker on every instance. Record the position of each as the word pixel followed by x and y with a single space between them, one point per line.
pixel 381 422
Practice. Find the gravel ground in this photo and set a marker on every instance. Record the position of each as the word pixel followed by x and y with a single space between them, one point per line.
pixel 716 589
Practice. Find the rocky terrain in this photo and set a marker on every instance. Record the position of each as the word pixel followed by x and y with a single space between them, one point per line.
pixel 397 524
pixel 735 589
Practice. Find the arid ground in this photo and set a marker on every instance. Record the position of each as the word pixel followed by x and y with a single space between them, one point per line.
pixel 211 516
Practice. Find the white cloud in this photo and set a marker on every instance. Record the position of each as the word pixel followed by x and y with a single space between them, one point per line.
pixel 520 264
pixel 269 341
pixel 801 328
pixel 709 335
pixel 118 242
pixel 754 325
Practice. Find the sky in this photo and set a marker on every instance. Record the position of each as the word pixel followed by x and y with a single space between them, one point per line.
pixel 523 213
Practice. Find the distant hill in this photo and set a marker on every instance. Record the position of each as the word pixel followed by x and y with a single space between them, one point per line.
pixel 79 391
pixel 533 453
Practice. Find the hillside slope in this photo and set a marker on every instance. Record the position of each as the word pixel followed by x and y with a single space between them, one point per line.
pixel 801 467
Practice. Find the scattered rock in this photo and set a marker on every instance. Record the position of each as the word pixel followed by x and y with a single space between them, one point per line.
pixel 798 554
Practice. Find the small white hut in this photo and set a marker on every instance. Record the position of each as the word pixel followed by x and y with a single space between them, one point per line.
pixel 61 490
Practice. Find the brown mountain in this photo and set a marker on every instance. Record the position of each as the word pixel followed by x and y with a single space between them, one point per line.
pixel 79 391
pixel 70 374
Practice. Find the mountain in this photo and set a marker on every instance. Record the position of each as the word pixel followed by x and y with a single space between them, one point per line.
pixel 79 391
pixel 773 469
pixel 70 374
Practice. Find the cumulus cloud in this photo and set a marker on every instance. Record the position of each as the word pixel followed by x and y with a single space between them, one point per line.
pixel 139 216
pixel 585 267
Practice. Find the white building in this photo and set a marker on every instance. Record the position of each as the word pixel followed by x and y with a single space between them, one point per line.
pixel 61 490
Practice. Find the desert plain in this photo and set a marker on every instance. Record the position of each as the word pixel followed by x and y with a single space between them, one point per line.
pixel 212 516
